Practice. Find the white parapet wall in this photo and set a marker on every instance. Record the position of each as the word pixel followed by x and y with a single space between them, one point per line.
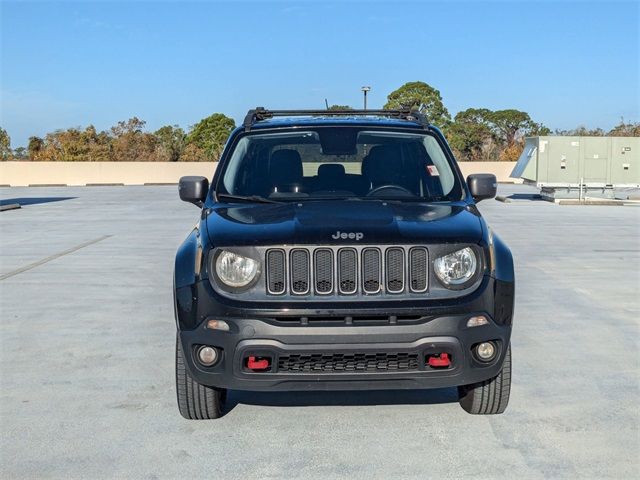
pixel 24 174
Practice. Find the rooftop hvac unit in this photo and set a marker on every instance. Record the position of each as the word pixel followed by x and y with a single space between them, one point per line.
pixel 572 167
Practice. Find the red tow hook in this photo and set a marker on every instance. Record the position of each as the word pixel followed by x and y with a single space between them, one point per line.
pixel 441 360
pixel 253 363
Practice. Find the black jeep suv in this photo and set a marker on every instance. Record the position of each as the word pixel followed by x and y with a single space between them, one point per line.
pixel 341 250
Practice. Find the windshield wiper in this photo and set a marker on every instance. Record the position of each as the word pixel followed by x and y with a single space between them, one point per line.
pixel 246 198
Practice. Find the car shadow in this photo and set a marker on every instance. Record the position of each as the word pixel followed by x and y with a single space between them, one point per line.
pixel 524 196
pixel 22 201
pixel 341 398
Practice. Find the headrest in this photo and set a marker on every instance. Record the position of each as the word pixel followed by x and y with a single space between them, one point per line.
pixel 331 170
pixel 381 163
pixel 285 166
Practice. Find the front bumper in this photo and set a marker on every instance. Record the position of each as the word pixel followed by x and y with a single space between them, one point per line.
pixel 256 337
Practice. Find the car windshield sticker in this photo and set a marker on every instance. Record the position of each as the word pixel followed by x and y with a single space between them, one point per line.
pixel 433 170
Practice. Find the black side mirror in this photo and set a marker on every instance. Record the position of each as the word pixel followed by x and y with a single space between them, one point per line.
pixel 482 185
pixel 193 190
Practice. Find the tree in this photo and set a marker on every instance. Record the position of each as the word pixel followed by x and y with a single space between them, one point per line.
pixel 20 153
pixel 193 153
pixel 507 124
pixel 581 131
pixel 210 134
pixel 171 142
pixel 340 107
pixel 132 126
pixel 482 134
pixel 423 98
pixel 5 145
pixel 131 143
pixel 631 129
pixel 470 133
pixel 36 144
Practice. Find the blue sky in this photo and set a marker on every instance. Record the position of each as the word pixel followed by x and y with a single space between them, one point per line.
pixel 72 64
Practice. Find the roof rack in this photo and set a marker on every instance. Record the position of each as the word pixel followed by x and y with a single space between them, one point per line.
pixel 260 113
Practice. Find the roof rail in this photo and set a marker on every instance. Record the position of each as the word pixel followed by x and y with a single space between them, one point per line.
pixel 261 113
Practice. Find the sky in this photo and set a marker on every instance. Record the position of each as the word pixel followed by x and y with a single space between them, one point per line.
pixel 78 63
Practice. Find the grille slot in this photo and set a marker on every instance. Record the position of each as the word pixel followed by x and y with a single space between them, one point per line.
pixel 395 270
pixel 347 271
pixel 348 362
pixel 371 270
pixel 323 271
pixel 276 272
pixel 300 271
pixel 418 265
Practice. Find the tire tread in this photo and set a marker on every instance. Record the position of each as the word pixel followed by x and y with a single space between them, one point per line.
pixel 491 396
pixel 195 401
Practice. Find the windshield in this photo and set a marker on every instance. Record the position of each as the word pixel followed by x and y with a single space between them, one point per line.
pixel 339 162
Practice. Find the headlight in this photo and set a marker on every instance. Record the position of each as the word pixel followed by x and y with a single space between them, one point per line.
pixel 235 270
pixel 456 268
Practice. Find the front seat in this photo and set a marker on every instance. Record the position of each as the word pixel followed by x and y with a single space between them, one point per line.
pixel 285 170
pixel 382 166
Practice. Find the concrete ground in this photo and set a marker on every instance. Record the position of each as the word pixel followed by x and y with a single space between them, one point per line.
pixel 87 352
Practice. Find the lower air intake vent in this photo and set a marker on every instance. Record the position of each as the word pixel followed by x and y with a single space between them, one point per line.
pixel 347 362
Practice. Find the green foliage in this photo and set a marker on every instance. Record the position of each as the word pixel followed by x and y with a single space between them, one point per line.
pixel 20 153
pixel 171 142
pixel 210 134
pixel 469 133
pixel 423 98
pixel 340 107
pixel 506 124
pixel 36 145
pixel 481 134
pixel 5 145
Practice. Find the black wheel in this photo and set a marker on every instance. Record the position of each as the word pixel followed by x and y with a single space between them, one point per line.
pixel 491 396
pixel 196 401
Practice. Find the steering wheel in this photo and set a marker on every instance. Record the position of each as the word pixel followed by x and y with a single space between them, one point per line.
pixel 382 188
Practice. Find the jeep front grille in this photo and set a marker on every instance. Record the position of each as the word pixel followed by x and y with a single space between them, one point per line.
pixel 346 270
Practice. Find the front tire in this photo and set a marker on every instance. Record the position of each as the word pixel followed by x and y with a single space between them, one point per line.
pixel 491 396
pixel 196 401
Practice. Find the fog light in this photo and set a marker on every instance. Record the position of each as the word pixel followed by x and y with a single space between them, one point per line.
pixel 207 355
pixel 477 321
pixel 218 325
pixel 486 351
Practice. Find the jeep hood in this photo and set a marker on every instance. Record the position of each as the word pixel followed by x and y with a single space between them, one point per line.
pixel 317 223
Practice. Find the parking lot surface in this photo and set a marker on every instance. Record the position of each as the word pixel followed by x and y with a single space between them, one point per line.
pixel 87 350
